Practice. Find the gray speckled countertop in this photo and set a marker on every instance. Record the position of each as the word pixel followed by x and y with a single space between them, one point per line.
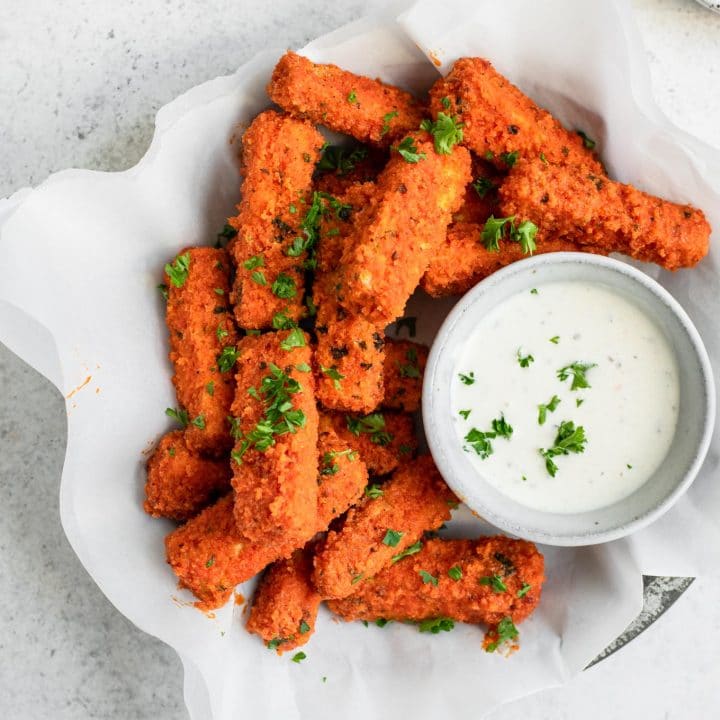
pixel 80 82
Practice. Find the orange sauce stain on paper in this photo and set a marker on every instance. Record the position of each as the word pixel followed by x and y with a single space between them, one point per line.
pixel 79 387
pixel 436 61
pixel 239 598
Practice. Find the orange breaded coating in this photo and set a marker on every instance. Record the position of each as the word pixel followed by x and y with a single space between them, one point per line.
pixel 498 118
pixel 490 578
pixel 403 374
pixel 376 530
pixel 382 440
pixel 571 204
pixel 180 483
pixel 285 604
pixel 200 330
pixel 368 110
pixel 349 353
pixel 275 464
pixel 462 261
pixel 210 554
pixel 279 156
pixel 390 250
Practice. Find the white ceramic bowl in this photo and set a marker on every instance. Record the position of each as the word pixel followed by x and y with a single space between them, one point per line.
pixel 695 420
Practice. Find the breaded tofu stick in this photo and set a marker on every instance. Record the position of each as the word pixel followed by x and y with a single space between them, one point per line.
pixel 366 109
pixel 285 603
pixel 472 581
pixel 180 483
pixel 275 464
pixel 403 374
pixel 202 345
pixel 571 204
pixel 502 124
pixel 462 261
pixel 279 156
pixel 380 528
pixel 349 353
pixel 390 251
pixel 383 440
pixel 210 554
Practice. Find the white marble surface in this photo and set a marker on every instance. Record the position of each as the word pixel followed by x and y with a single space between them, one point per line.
pixel 80 82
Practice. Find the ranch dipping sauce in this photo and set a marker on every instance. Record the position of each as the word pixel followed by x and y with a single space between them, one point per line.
pixel 566 397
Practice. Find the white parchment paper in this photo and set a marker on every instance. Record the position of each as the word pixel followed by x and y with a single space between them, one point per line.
pixel 82 254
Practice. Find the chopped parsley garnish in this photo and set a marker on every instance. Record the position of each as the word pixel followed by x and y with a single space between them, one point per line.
pixel 506 631
pixel 163 288
pixel 279 417
pixel 414 548
pixel 628 466
pixel 464 414
pixel 436 625
pixel 210 562
pixel 579 402
pixel 284 287
pixel 483 186
pixel 334 375
pixel 373 491
pixel 534 291
pixel 577 370
pixel 455 573
pixel 569 439
pixel 408 150
pixel 171 451
pixel 524 360
pixel 227 358
pixel 480 442
pixel 255 261
pixel 210 388
pixel 356 579
pixel 218 291
pixel 303 367
pixel 341 160
pixel 330 467
pixel 411 369
pixel 392 538
pixel 427 578
pixel 468 379
pixel 295 339
pixel 299 657
pixel 555 339
pixel 276 642
pixel 497 229
pixel 495 582
pixel 178 414
pixel 304 627
pixel 446 131
pixel 373 425
pixel 352 97
pixel 382 622
pixel 199 421
pixel 545 408
pixel 281 321
pixel 489 155
pixel 445 102
pixel 292 208
pixel 406 322
pixel 226 234
pixel 178 271
pixel 385 129
pixel 510 158
pixel 543 158
pixel 501 428
pixel 588 142
pixel 258 276
pixel 524 590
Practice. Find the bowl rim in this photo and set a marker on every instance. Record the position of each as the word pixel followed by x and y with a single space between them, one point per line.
pixel 695 345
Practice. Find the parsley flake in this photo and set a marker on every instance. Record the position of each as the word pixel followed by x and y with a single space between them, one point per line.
pixel 588 142
pixel 524 590
pixel 334 374
pixel 577 370
pixel 258 276
pixel 254 262
pixel 468 379
pixel 446 131
pixel 352 97
pixel 163 288
pixel 510 158
pixel 227 358
pixel 436 625
pixel 483 186
pixel 569 439
pixel 178 414
pixel 373 491
pixel 524 360
pixel 408 150
pixel 179 270
pixel 284 287
pixel 555 339
pixel 427 578
pixel 299 657
pixel 545 408
pixel 385 129
pixel 294 339
pixel 392 538
pixel 373 425
pixel 199 421
pixel 495 582
pixel 210 388
pixel 412 550
pixel 455 573
pixel 505 631
pixel 464 414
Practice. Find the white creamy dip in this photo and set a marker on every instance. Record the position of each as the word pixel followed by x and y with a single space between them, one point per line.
pixel 628 413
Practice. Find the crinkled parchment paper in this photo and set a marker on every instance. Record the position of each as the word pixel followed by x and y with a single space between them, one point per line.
pixel 82 254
